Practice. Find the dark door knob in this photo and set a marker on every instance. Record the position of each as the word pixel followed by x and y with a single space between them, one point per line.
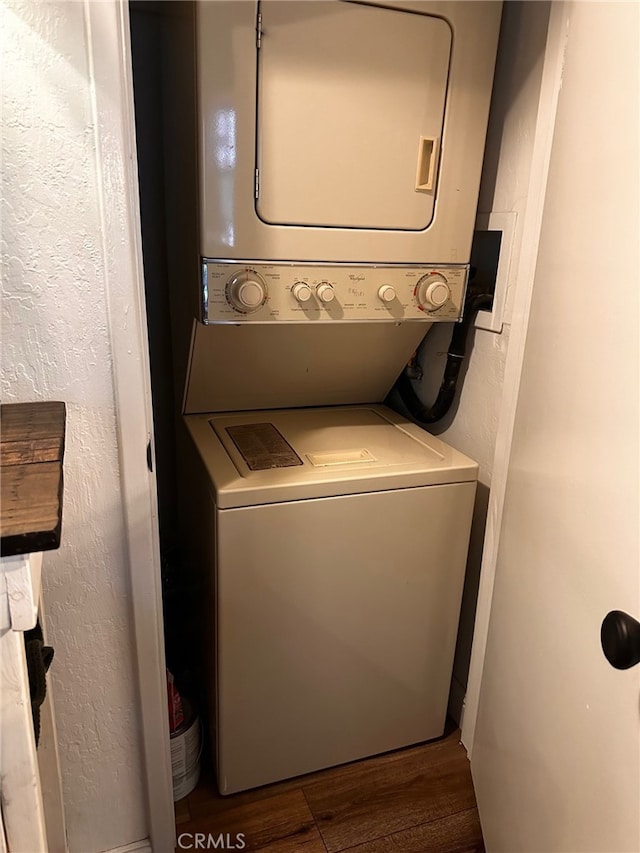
pixel 620 638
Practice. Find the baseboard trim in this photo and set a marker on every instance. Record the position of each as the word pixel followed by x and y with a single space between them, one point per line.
pixel 143 846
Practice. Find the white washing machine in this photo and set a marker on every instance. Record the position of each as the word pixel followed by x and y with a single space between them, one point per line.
pixel 339 537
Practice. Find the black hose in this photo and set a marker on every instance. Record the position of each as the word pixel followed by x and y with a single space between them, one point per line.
pixel 455 356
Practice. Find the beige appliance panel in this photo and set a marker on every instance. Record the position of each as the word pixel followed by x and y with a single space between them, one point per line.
pixel 336 628
pixel 231 206
pixel 263 366
pixel 347 94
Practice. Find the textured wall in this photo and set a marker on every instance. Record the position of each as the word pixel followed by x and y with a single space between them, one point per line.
pixel 472 426
pixel 55 345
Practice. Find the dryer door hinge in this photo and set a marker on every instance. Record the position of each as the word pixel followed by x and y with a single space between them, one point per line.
pixel 259 31
pixel 257 184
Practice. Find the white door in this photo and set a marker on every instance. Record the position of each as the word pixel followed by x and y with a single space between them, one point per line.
pixel 556 756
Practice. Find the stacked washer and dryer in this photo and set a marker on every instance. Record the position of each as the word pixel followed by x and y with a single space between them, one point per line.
pixel 336 151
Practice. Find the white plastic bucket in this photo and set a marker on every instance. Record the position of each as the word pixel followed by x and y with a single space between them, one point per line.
pixel 186 748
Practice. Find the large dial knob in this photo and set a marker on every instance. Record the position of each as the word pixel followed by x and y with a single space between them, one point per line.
pixel 325 292
pixel 386 293
pixel 246 291
pixel 432 292
pixel 301 291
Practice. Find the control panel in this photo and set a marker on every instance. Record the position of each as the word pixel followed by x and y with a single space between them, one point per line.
pixel 259 292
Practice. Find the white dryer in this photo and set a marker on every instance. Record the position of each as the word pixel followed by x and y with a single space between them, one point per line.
pixel 339 537
pixel 342 131
pixel 314 143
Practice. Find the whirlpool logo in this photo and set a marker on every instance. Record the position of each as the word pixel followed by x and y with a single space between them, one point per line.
pixel 209 841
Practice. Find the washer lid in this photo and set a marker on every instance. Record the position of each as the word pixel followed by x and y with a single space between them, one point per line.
pixel 293 454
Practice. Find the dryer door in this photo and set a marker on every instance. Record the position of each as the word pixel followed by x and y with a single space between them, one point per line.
pixel 350 114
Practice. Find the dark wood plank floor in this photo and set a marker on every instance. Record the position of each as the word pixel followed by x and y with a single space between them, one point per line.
pixel 414 800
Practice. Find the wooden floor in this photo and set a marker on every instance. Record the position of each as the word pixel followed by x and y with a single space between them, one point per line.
pixel 417 799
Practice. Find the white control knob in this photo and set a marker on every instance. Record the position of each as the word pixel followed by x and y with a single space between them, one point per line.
pixel 301 291
pixel 387 293
pixel 325 292
pixel 432 292
pixel 246 291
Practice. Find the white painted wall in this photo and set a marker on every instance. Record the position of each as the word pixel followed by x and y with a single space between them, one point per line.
pixel 56 345
pixel 472 424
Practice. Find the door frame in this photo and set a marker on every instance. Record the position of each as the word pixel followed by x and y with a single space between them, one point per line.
pixel 108 29
pixel 111 73
pixel 557 37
